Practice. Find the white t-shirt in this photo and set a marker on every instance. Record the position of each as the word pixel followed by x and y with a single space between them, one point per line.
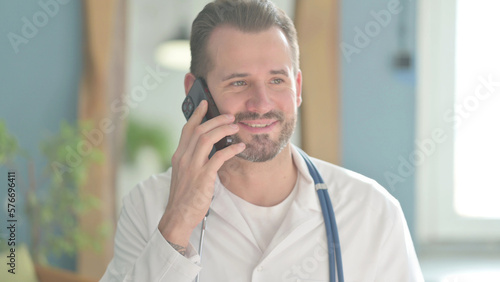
pixel 263 221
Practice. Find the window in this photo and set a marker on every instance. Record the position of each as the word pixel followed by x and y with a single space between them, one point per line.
pixel 477 117
pixel 459 97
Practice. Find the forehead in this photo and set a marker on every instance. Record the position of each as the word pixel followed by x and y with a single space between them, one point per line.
pixel 231 48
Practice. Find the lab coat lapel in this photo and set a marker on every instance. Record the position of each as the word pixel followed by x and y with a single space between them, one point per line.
pixel 304 214
pixel 227 210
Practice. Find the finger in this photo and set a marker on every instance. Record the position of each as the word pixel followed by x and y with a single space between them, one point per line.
pixel 202 129
pixel 198 115
pixel 221 156
pixel 215 122
pixel 207 140
pixel 194 120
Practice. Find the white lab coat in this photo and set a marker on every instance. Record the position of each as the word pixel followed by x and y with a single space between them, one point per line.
pixel 374 237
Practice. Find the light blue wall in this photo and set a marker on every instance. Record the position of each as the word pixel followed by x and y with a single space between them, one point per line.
pixel 378 100
pixel 39 83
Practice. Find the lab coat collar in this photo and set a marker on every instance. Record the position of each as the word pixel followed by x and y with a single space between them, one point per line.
pixel 307 198
pixel 223 205
pixel 304 213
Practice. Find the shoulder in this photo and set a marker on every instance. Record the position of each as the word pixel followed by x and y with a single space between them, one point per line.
pixel 152 189
pixel 150 197
pixel 347 187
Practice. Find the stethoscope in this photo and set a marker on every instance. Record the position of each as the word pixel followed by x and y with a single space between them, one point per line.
pixel 332 234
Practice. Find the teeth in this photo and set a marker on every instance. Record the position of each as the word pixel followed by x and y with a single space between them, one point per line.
pixel 257 125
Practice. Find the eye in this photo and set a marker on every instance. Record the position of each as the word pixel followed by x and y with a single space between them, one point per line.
pixel 238 83
pixel 277 81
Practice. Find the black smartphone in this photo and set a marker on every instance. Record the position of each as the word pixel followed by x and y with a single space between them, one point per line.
pixel 199 92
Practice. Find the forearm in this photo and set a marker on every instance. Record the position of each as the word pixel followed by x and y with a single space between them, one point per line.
pixel 144 256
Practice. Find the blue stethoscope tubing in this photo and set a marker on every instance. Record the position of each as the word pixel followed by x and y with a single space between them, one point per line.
pixel 332 234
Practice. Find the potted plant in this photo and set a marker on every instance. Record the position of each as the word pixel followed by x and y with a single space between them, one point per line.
pixel 54 202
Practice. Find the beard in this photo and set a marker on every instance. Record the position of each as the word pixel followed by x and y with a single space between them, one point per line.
pixel 262 147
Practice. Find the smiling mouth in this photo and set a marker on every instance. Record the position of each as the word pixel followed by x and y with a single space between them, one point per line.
pixel 254 125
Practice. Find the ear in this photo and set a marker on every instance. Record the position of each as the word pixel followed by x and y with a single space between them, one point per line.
pixel 188 82
pixel 298 85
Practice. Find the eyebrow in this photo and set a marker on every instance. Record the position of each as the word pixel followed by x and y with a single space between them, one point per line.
pixel 281 71
pixel 234 75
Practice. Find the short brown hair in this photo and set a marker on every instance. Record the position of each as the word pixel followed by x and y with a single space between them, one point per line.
pixel 247 16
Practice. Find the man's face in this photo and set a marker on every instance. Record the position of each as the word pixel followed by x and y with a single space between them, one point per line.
pixel 252 78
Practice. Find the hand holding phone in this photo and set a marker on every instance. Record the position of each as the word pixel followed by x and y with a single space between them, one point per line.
pixel 193 175
pixel 199 92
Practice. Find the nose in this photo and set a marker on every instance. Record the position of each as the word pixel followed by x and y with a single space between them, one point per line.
pixel 260 100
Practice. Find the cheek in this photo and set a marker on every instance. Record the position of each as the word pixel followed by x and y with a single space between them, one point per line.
pixel 290 102
pixel 286 101
pixel 229 105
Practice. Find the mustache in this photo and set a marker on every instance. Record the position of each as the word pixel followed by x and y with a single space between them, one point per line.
pixel 280 116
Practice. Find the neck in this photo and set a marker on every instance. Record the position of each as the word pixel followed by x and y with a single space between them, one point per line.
pixel 261 183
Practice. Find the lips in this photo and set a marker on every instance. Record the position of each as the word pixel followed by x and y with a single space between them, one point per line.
pixel 258 126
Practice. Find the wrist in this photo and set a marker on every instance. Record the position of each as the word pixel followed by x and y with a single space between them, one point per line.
pixel 174 234
pixel 180 249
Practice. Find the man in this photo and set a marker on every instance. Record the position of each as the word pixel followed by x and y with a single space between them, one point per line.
pixel 265 221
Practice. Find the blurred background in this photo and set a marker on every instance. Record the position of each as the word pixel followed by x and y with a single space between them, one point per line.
pixel 405 92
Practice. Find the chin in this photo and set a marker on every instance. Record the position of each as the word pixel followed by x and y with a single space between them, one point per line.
pixel 262 149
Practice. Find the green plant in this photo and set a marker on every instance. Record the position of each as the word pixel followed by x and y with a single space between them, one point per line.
pixel 53 215
pixel 9 148
pixel 140 135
